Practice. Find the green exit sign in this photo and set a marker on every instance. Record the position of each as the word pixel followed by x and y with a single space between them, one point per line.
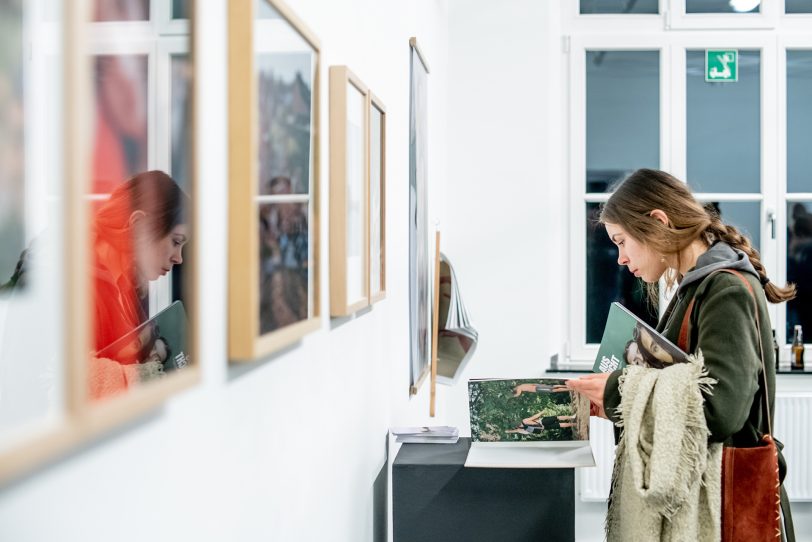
pixel 721 65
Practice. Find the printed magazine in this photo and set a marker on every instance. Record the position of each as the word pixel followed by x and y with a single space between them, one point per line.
pixel 628 340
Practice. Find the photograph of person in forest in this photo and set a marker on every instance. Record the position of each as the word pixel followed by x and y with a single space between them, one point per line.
pixel 526 410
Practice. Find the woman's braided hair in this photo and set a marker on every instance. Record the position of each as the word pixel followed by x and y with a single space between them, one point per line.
pixel 630 207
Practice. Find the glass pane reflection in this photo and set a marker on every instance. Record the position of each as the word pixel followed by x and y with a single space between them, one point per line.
pixel 799 121
pixel 32 287
pixel 121 10
pixel 622 115
pixel 121 120
pixel 799 266
pixel 619 6
pixel 798 6
pixel 284 264
pixel 606 281
pixel 285 95
pixel 724 127
pixel 722 6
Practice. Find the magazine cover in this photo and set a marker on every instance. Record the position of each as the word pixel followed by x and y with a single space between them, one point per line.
pixel 161 338
pixel 526 410
pixel 628 340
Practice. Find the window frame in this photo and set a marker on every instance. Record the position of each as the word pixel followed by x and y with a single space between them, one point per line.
pixel 627 34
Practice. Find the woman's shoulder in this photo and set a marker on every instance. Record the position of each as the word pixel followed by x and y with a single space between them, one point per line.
pixel 732 282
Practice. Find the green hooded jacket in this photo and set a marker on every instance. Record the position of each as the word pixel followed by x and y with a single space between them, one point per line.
pixel 722 325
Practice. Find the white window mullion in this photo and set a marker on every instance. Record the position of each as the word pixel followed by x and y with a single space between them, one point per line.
pixel 576 310
pixel 678 111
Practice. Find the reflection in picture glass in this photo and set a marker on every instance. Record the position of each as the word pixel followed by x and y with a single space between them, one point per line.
pixel 32 255
pixel 356 102
pixel 12 152
pixel 180 9
pixel 139 213
pixel 121 10
pixel 375 212
pixel 121 120
pixel 180 108
pixel 284 260
pixel 285 119
pixel 138 236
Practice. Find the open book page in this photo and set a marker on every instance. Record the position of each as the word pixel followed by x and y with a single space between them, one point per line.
pixel 526 410
pixel 628 340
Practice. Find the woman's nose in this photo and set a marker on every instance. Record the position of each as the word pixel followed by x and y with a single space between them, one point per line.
pixel 622 259
pixel 177 257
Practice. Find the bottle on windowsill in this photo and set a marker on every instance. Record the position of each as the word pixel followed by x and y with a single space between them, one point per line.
pixel 776 351
pixel 797 354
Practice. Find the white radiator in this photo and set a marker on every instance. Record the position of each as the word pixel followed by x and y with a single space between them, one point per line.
pixel 793 427
pixel 595 482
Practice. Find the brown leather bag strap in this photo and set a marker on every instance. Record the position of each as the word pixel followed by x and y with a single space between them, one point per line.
pixel 683 338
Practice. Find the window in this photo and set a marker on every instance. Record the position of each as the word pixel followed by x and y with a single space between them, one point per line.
pixel 639 98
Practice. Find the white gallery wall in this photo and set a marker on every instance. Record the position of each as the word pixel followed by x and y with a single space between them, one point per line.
pixel 294 447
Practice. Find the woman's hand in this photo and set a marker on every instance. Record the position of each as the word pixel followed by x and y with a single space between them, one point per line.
pixel 591 386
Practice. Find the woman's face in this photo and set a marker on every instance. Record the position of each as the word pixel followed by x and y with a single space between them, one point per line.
pixel 641 260
pixel 156 257
pixel 633 355
pixel 647 341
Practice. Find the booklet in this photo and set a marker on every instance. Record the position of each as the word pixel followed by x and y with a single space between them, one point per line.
pixel 629 340
pixel 528 423
pixel 161 338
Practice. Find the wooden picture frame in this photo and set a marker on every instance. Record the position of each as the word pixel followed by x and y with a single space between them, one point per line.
pixel 349 189
pixel 419 272
pixel 377 199
pixel 271 52
pixel 83 417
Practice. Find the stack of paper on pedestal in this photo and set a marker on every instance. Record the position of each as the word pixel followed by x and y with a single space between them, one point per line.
pixel 438 434
pixel 457 339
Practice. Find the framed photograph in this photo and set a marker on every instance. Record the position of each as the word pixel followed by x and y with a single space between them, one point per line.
pixel 34 377
pixel 419 274
pixel 133 204
pixel 100 299
pixel 273 193
pixel 349 168
pixel 377 199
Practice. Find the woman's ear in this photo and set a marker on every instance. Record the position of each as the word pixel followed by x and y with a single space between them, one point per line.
pixel 660 215
pixel 135 218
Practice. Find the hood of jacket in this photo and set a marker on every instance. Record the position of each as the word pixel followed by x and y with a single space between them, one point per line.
pixel 719 256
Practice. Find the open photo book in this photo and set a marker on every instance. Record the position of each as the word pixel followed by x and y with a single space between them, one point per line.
pixel 629 340
pixel 528 423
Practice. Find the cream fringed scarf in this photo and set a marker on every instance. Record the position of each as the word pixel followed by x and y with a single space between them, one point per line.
pixel 666 483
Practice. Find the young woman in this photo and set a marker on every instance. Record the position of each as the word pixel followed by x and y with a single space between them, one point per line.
pixel 137 236
pixel 661 230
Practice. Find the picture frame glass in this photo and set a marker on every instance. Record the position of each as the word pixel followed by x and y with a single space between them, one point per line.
pixel 419 287
pixel 33 374
pixel 138 204
pixel 120 11
pixel 355 195
pixel 376 216
pixel 285 65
